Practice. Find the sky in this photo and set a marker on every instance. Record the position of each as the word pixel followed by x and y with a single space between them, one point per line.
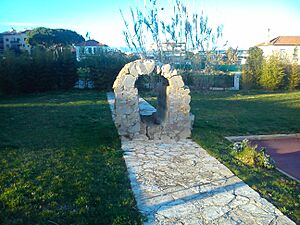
pixel 246 22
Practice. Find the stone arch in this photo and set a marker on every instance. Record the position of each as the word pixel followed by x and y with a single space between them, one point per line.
pixel 172 120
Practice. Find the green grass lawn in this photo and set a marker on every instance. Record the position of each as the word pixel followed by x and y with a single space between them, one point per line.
pixel 221 114
pixel 60 162
pixel 60 158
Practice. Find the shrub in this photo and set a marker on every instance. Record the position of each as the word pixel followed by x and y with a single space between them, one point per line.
pixel 104 67
pixel 252 70
pixel 13 70
pixel 204 82
pixel 294 77
pixel 272 73
pixel 43 70
pixel 252 156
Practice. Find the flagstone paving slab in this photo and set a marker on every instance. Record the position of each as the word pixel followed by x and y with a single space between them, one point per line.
pixel 180 183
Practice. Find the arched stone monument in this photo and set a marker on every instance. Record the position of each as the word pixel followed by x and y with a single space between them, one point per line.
pixel 172 120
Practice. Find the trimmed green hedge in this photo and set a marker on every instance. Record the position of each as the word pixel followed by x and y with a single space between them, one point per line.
pixel 203 82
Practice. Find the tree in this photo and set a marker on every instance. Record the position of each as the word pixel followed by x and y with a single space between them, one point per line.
pixel 47 37
pixel 41 71
pixel 14 68
pixel 252 70
pixel 272 73
pixel 294 77
pixel 232 56
pixel 100 69
pixel 65 69
pixel 150 26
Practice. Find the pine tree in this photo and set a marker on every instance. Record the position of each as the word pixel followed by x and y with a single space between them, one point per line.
pixel 294 78
pixel 272 73
pixel 253 68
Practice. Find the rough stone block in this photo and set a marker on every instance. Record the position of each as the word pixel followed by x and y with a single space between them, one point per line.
pixel 172 119
pixel 132 69
pixel 128 82
pixel 165 69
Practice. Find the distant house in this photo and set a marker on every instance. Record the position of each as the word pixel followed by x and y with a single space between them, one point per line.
pixel 88 48
pixel 14 40
pixel 286 46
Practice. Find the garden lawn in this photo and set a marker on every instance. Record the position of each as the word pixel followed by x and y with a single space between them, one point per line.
pixel 221 114
pixel 60 162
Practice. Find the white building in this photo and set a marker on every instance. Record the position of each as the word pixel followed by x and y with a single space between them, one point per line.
pixel 15 40
pixel 89 48
pixel 286 46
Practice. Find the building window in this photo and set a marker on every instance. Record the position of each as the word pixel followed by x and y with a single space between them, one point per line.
pixel 18 39
pixel 90 50
pixel 7 46
pixel 7 39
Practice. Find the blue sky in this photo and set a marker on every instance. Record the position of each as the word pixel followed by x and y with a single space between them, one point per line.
pixel 245 21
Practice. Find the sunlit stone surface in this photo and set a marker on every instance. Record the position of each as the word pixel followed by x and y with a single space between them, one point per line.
pixel 172 119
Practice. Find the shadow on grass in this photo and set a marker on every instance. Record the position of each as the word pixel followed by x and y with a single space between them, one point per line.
pixel 63 164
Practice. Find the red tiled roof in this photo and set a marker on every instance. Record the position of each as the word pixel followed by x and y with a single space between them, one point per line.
pixel 91 43
pixel 282 40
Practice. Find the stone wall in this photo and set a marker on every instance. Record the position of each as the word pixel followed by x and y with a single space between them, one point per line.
pixel 172 120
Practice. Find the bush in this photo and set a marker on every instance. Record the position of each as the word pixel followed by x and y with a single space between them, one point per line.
pixel 204 82
pixel 13 70
pixel 252 70
pixel 43 70
pixel 252 156
pixel 272 73
pixel 294 77
pixel 104 67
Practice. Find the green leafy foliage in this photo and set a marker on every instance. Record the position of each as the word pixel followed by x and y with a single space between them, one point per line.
pixel 272 73
pixel 13 70
pixel 294 77
pixel 252 70
pixel 61 163
pixel 205 82
pixel 231 56
pixel 252 156
pixel 103 67
pixel 47 37
pixel 43 70
pixel 51 65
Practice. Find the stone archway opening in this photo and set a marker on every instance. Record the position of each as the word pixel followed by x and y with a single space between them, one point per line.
pixel 153 114
pixel 135 118
pixel 152 88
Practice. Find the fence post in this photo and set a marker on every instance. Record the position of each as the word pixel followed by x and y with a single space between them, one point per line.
pixel 236 81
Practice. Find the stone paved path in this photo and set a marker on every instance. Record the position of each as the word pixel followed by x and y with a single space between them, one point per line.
pixel 180 183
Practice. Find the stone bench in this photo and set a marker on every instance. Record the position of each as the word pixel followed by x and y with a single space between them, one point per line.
pixel 146 109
